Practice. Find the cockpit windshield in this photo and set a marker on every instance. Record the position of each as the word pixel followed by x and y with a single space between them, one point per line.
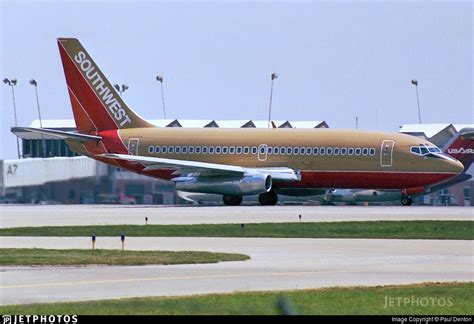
pixel 424 149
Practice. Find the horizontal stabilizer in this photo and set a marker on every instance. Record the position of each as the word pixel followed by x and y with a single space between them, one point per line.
pixel 57 133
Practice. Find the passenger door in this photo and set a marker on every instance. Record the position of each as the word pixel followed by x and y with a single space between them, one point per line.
pixel 133 146
pixel 386 153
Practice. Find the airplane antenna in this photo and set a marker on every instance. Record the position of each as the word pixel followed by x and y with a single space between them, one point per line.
pixel 274 76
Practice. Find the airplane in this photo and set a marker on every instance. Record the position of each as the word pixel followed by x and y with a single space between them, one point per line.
pixel 239 162
pixel 461 147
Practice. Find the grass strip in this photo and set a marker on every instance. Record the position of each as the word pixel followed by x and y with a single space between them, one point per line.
pixel 47 257
pixel 422 299
pixel 458 230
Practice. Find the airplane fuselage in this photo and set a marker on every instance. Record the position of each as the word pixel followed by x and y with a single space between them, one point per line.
pixel 326 158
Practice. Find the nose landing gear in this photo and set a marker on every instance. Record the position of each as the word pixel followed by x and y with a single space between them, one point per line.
pixel 406 200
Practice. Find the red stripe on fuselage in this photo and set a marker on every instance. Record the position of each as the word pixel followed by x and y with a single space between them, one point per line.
pixel 366 180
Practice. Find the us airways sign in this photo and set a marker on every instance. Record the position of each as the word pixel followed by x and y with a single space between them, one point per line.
pixel 105 93
pixel 461 150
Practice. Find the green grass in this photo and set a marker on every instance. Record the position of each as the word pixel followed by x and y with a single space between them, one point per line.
pixel 432 299
pixel 461 230
pixel 31 257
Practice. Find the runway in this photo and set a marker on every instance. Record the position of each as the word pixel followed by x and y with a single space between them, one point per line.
pixel 59 215
pixel 275 264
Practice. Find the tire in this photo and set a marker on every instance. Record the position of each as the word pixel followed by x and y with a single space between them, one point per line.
pixel 406 201
pixel 232 200
pixel 268 199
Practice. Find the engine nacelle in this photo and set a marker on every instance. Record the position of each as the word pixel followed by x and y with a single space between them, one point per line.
pixel 239 186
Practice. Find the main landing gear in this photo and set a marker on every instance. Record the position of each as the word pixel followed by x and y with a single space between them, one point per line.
pixel 268 199
pixel 406 200
pixel 232 200
pixel 265 199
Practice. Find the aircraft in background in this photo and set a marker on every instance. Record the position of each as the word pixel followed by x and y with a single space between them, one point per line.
pixel 240 162
pixel 461 147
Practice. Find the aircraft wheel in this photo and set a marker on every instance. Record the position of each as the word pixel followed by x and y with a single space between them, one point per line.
pixel 268 199
pixel 406 200
pixel 232 200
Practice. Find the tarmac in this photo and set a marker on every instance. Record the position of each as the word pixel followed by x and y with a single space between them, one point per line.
pixel 275 264
pixel 62 215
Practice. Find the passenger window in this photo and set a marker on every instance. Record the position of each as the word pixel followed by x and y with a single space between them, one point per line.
pixel 372 151
pixel 269 150
pixel 218 150
pixel 170 149
pixel 308 151
pixel 178 149
pixel 198 150
pixel 343 151
pixel 322 151
pixel 302 150
pixel 211 149
pixel 246 150
pixel 184 149
pixel 157 149
pixel 351 151
pixel 289 150
pixel 365 151
pixel 296 150
pixel 282 150
pixel 239 150
pixel 336 151
pixel 204 150
pixel 254 150
pixel 232 150
pixel 276 150
pixel 329 151
pixel 191 150
pixel 225 150
pixel 164 149
pixel 151 149
pixel 315 151
pixel 357 151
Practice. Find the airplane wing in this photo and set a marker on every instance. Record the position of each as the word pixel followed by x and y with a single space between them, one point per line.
pixel 193 168
pixel 57 133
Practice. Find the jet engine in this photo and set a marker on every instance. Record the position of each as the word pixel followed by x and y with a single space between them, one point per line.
pixel 224 185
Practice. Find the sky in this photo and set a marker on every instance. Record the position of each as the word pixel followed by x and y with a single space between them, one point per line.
pixel 335 60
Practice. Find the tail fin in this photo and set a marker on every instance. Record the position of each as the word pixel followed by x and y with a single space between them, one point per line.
pixel 461 147
pixel 95 103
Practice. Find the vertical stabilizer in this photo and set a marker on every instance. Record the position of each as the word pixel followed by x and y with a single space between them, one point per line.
pixel 96 104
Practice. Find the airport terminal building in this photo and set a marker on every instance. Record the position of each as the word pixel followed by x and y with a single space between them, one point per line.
pixel 50 172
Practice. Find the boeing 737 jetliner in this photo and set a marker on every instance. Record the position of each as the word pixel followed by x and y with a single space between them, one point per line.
pixel 238 162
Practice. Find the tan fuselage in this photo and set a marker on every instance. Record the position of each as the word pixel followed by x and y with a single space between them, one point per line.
pixel 378 160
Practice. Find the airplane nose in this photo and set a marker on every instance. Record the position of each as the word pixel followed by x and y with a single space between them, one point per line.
pixel 455 166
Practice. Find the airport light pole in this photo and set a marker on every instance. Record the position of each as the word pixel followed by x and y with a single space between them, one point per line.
pixel 415 83
pixel 35 84
pixel 12 83
pixel 274 76
pixel 159 78
pixel 121 89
